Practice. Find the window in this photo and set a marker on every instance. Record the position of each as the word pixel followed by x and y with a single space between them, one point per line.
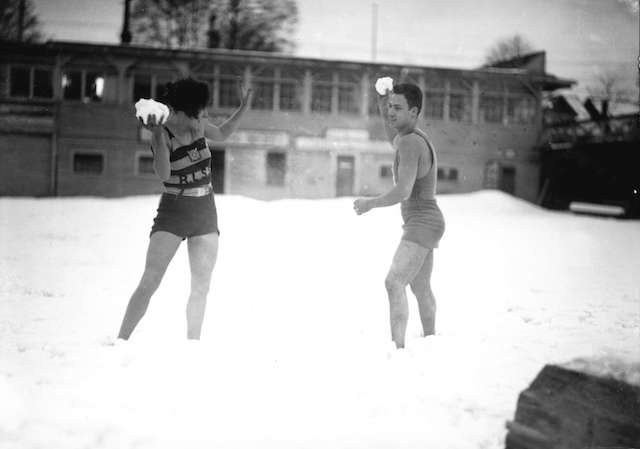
pixel 94 87
pixel 88 163
pixel 290 90
pixel 264 89
pixel 521 109
pixel 386 171
pixel 458 107
pixel 228 93
pixel 19 80
pixel 81 85
pixel 145 164
pixel 491 109
pixel 348 92
pixel 72 85
pixel 447 174
pixel 434 105
pixel 229 79
pixel 322 91
pixel 142 86
pixel 30 82
pixel 42 83
pixel 276 169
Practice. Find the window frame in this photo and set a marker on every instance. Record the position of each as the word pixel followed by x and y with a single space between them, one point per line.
pixel 78 152
pixel 101 71
pixel 31 82
pixel 139 155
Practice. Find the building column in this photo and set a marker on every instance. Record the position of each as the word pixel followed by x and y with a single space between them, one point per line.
pixel 475 103
pixel 276 89
pixel 364 94
pixel 246 79
pixel 306 92
pixel 422 83
pixel 447 92
pixel 334 94
pixel 505 108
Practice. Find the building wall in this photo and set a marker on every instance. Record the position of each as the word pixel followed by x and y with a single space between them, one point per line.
pixel 98 148
pixel 26 165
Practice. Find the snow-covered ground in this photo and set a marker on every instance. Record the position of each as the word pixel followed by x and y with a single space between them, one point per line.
pixel 295 350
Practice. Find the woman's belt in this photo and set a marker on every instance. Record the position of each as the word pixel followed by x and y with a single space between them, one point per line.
pixel 190 191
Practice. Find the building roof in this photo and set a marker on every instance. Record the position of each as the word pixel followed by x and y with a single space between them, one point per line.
pixel 545 80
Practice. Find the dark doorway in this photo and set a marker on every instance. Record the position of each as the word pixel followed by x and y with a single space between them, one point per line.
pixel 508 179
pixel 217 169
pixel 345 176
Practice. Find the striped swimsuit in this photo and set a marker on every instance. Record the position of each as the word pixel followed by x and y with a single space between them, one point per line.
pixel 187 207
pixel 423 220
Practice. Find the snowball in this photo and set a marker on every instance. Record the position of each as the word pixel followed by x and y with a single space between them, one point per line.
pixel 146 107
pixel 384 84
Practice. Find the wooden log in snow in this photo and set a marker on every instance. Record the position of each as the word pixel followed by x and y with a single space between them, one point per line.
pixel 578 405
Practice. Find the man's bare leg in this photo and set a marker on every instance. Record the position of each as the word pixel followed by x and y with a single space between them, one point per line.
pixel 162 248
pixel 203 251
pixel 421 288
pixel 407 261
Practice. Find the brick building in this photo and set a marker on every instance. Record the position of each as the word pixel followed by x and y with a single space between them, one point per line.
pixel 67 125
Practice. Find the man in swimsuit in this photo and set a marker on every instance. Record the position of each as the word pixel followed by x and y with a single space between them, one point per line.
pixel 415 175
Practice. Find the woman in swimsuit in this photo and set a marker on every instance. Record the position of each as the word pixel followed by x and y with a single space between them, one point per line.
pixel 187 210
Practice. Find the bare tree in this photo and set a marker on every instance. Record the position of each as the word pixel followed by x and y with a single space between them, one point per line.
pixel 608 86
pixel 18 21
pixel 266 25
pixel 508 48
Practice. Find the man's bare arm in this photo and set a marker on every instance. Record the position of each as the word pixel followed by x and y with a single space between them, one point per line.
pixel 409 157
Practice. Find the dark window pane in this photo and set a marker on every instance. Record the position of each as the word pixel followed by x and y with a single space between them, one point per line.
pixel 385 171
pixel 228 93
pixel 348 99
pixel 290 94
pixel 94 87
pixel 88 163
pixel 141 87
pixel 321 98
pixel 263 95
pixel 19 81
pixel 276 169
pixel 434 105
pixel 491 109
pixel 457 109
pixel 42 83
pixel 145 165
pixel 72 85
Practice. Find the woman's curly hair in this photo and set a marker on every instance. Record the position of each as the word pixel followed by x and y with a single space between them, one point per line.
pixel 187 95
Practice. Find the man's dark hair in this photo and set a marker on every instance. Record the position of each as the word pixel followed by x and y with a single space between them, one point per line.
pixel 187 95
pixel 411 92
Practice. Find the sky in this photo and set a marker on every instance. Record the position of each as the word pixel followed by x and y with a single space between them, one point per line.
pixel 582 38
pixel 295 350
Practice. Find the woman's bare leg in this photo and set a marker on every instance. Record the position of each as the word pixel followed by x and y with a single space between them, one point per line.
pixel 162 248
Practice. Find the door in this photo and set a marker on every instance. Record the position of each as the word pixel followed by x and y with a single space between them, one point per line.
pixel 217 169
pixel 508 179
pixel 345 176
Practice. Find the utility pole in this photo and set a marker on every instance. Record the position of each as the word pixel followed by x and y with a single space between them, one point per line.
pixel 125 36
pixel 374 31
